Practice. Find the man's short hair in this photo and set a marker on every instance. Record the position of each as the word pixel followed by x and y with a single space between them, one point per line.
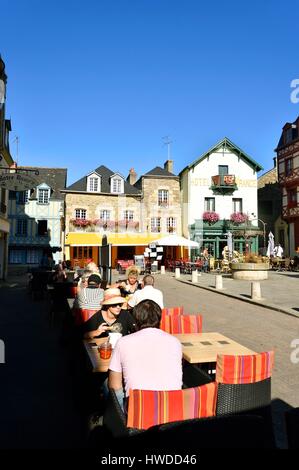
pixel 147 314
pixel 148 280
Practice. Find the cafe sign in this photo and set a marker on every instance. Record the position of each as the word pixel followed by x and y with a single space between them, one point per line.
pixel 17 182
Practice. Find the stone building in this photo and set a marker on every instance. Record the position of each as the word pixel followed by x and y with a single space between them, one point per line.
pixel 269 209
pixel 130 213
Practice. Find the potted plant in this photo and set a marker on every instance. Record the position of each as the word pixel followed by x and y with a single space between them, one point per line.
pixel 238 218
pixel 210 216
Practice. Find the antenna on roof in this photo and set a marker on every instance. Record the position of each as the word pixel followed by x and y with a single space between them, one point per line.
pixel 167 142
pixel 16 139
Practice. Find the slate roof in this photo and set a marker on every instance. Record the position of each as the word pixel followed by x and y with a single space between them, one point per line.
pixel 106 174
pixel 53 177
pixel 230 145
pixel 157 171
pixel 295 134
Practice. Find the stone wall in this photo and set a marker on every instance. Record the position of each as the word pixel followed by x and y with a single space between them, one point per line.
pixel 150 207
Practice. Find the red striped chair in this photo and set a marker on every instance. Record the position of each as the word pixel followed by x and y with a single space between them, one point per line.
pixel 179 324
pixel 244 385
pixel 173 311
pixel 148 408
pixel 82 315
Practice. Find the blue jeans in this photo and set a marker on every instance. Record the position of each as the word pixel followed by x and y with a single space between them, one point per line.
pixel 119 394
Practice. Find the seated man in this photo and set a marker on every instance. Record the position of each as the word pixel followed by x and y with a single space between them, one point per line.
pixel 91 297
pixel 149 359
pixel 149 292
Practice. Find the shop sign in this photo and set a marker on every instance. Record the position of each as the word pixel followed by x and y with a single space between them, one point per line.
pixel 17 181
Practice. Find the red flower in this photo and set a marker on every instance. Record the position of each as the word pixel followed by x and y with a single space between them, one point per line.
pixel 210 216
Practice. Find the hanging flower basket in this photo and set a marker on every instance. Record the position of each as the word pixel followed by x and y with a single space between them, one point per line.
pixel 210 217
pixel 238 218
pixel 81 222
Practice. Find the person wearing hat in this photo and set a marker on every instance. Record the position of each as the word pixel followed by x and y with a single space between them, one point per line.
pixel 112 312
pixel 91 297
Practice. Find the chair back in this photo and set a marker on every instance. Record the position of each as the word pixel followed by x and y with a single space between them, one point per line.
pixel 244 382
pixel 180 324
pixel 82 315
pixel 148 408
pixel 173 311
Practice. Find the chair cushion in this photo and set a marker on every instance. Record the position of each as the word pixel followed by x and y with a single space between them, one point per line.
pixel 244 369
pixel 172 311
pixel 177 324
pixel 148 407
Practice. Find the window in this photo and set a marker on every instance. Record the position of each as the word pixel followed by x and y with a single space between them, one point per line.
pixel 93 184
pixel 171 224
pixel 43 196
pixel 155 224
pixel 288 166
pixel 105 215
pixel 81 252
pixel 210 204
pixel 237 205
pixel 292 198
pixel 22 227
pixel 42 228
pixel 128 215
pixel 288 135
pixel 17 256
pixel 222 169
pixel 33 256
pixel 80 213
pixel 163 197
pixel 117 185
pixel 22 197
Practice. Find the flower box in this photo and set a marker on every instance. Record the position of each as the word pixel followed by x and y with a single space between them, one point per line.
pixel 238 218
pixel 210 216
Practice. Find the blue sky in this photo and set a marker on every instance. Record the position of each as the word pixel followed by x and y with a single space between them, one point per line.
pixel 103 81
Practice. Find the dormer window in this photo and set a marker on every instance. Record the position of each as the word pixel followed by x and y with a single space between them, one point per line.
pixel 94 183
pixel 43 194
pixel 117 184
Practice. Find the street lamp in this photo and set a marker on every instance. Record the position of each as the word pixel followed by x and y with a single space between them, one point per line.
pixel 264 228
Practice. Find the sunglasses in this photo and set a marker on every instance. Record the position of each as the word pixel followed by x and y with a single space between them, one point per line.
pixel 116 305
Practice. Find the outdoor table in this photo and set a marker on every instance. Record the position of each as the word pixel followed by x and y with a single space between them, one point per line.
pixel 200 348
pixel 98 364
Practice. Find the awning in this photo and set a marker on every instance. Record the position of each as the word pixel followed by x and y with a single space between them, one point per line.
pixel 115 239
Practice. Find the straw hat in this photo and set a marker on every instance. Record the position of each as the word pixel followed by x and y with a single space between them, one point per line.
pixel 112 296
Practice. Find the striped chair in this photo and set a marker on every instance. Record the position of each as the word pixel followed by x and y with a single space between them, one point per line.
pixel 178 324
pixel 82 315
pixel 172 311
pixel 148 408
pixel 244 385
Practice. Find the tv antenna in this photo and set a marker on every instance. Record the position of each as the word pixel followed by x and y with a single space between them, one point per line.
pixel 167 142
pixel 16 140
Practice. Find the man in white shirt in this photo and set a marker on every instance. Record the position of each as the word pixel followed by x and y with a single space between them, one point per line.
pixel 149 292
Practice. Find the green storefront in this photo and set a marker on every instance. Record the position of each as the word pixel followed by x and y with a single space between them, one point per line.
pixel 214 237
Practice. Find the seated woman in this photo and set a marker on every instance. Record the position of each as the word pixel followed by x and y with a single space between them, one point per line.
pixel 129 287
pixel 60 274
pixel 112 313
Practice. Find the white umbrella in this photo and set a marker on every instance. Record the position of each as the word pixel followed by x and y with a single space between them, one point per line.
pixel 270 249
pixel 175 240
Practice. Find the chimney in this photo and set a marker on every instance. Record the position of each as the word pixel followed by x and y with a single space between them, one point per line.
pixel 168 165
pixel 132 176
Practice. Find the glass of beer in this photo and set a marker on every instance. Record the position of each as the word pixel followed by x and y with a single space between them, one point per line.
pixel 105 350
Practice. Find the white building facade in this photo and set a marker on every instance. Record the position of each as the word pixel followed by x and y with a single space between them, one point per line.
pixel 219 195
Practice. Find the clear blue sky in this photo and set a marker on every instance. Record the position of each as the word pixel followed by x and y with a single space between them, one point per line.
pixel 103 81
